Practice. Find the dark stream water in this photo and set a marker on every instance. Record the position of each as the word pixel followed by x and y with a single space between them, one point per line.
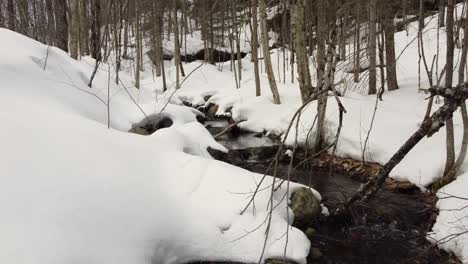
pixel 389 229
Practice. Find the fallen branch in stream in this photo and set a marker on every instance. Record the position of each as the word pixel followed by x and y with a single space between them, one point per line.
pixel 454 98
pixel 227 129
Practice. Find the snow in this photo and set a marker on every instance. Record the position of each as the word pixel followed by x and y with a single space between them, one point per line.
pixel 397 117
pixel 74 191
pixel 450 231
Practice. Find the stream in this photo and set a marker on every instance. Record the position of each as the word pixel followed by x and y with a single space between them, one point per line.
pixel 391 228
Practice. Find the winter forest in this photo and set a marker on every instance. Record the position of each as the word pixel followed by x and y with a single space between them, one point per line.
pixel 233 131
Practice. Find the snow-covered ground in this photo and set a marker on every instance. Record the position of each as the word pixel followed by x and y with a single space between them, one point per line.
pixel 73 191
pixel 397 117
pixel 451 228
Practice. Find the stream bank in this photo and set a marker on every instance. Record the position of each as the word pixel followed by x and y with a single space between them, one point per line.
pixel 391 228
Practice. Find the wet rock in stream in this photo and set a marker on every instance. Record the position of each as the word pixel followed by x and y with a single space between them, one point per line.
pixel 305 206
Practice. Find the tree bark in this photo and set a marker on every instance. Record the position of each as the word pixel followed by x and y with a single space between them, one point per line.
pixel 321 62
pixel 389 33
pixel 138 45
pixel 255 47
pixel 441 8
pixel 75 29
pixel 176 47
pixel 62 24
pixel 11 15
pixel 96 30
pixel 372 46
pixel 84 29
pixel 450 141
pixel 266 52
pixel 298 28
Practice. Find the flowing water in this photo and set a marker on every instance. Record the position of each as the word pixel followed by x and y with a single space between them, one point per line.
pixel 391 228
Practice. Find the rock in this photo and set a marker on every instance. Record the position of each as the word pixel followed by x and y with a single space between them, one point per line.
pixel 305 206
pixel 315 253
pixel 310 232
pixel 211 111
pixel 139 131
pixel 207 97
pixel 278 261
pixel 153 123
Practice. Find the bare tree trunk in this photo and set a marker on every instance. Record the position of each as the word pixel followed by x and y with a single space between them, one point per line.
pixel 96 30
pixel 84 30
pixel 62 24
pixel 441 7
pixel 157 43
pixel 357 43
pixel 75 29
pixel 176 47
pixel 41 21
pixel 255 47
pixel 372 47
pixel 237 38
pixel 381 44
pixel 389 32
pixel 51 29
pixel 342 39
pixel 11 15
pixel 266 52
pixel 450 160
pixel 461 79
pixel 298 28
pixel 321 62
pixel 138 45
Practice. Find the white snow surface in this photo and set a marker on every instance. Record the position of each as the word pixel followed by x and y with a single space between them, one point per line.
pixel 73 191
pixel 397 117
pixel 450 231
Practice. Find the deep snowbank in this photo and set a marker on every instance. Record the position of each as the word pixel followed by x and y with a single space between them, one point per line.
pixel 73 191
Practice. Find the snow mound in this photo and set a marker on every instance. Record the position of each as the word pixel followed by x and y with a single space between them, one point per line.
pixel 74 191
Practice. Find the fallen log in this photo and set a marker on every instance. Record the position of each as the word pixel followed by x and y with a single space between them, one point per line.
pixel 454 98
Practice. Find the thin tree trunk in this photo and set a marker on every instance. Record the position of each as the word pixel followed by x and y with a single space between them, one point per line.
pixel 75 29
pixel 441 7
pixel 255 47
pixel 321 63
pixel 450 142
pixel 138 45
pixel 372 46
pixel 266 52
pixel 389 32
pixel 176 47
pixel 298 28
pixel 84 31
pixel 62 24
pixel 96 30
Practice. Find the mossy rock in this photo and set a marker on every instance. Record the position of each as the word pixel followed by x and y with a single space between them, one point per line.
pixel 139 131
pixel 305 206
